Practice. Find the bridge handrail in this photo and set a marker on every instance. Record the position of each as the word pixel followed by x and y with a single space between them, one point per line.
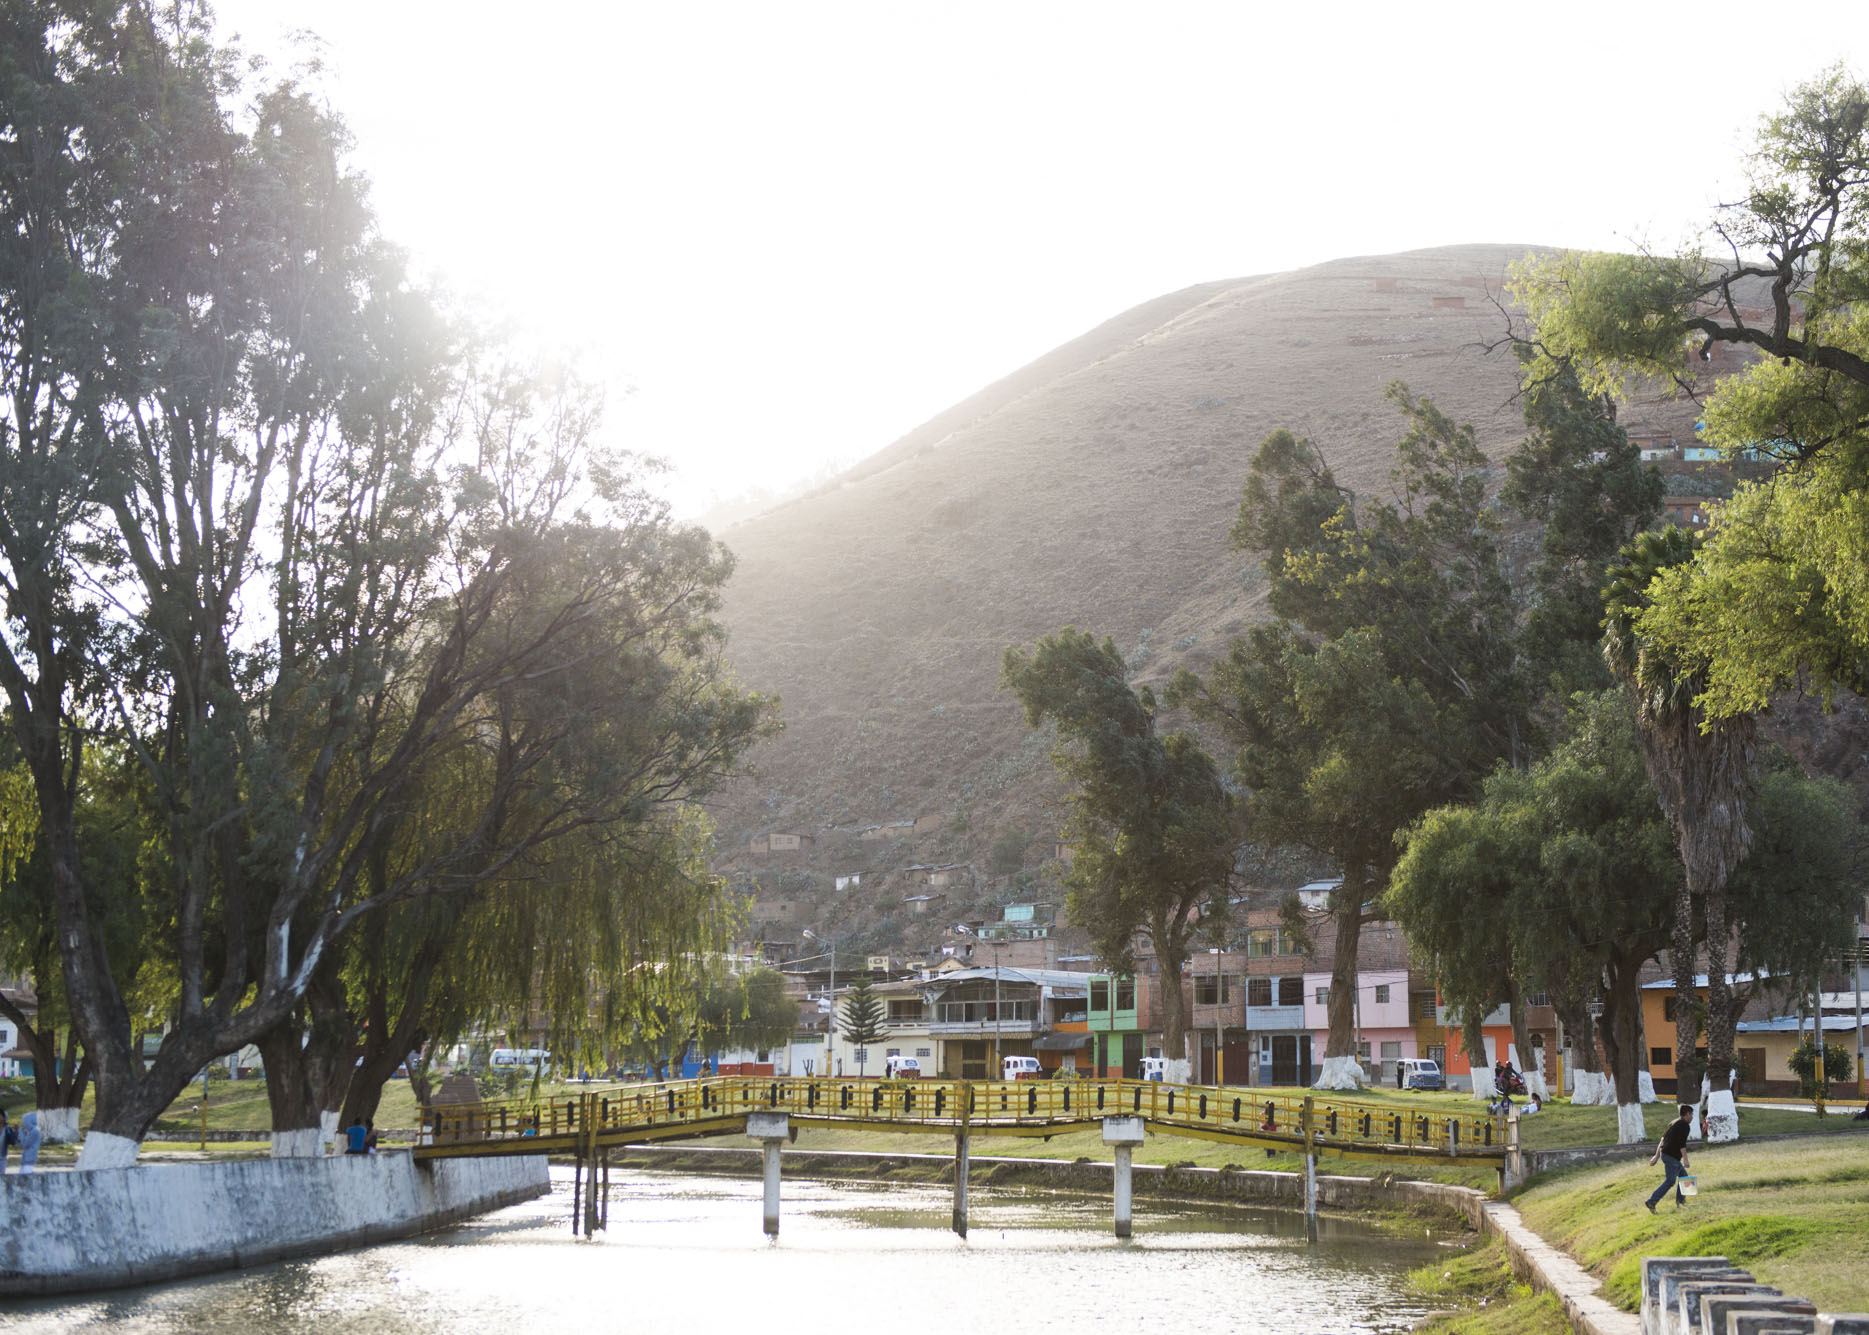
pixel 1326 1120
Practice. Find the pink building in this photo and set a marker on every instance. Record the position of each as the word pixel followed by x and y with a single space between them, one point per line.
pixel 1385 1031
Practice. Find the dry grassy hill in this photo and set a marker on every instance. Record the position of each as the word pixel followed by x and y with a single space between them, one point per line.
pixel 1093 488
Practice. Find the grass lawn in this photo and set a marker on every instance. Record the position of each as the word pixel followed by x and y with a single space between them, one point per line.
pixel 1796 1216
pixel 1489 1298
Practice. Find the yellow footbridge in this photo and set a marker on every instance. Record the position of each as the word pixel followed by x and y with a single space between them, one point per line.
pixel 770 1110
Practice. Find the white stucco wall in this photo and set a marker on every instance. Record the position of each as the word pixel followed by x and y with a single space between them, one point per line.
pixel 69 1232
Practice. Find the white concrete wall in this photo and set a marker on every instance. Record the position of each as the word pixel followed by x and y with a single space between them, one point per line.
pixel 70 1232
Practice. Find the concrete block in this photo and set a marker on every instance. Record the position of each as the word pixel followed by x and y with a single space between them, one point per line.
pixel 1123 1131
pixel 1662 1317
pixel 1749 1321
pixel 1714 1308
pixel 1843 1323
pixel 1654 1267
pixel 1687 1306
pixel 768 1126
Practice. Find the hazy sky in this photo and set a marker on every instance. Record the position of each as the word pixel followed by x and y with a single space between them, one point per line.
pixel 797 229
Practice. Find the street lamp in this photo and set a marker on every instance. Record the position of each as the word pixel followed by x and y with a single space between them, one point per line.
pixel 830 1014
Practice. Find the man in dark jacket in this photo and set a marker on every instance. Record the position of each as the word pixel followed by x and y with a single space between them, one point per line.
pixel 1672 1152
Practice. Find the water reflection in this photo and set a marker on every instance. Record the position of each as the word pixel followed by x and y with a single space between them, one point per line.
pixel 687 1255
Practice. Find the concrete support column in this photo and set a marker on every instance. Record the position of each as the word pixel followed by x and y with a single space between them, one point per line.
pixel 1123 1134
pixel 960 1184
pixel 771 1130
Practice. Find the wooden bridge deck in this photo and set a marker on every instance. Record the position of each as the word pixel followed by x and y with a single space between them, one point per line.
pixel 1319 1124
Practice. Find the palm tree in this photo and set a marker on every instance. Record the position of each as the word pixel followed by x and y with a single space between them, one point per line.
pixel 1701 768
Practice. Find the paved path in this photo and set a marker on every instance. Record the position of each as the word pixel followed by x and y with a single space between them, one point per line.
pixel 1555 1271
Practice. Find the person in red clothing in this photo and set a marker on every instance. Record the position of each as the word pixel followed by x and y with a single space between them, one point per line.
pixel 1672 1152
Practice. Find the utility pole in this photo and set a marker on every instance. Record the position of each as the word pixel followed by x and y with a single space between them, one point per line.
pixel 1862 1082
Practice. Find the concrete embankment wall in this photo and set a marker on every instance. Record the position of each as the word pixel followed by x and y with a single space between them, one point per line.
pixel 1188 1184
pixel 71 1232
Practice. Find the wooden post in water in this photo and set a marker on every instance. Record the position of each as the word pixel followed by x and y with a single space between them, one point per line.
pixel 960 1183
pixel 587 1117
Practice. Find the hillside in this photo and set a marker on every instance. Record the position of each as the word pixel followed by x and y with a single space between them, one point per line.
pixel 1093 488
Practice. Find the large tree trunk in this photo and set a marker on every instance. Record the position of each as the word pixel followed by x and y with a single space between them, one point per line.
pixel 307 1069
pixel 1622 1035
pixel 1171 956
pixel 1589 1086
pixel 1341 1069
pixel 1527 1060
pixel 1473 1041
pixel 1722 1016
pixel 58 1084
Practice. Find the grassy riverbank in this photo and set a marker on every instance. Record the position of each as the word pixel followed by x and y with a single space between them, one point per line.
pixel 1791 1214
pixel 1487 1297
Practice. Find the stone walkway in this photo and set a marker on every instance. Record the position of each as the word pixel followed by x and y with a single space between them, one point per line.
pixel 1548 1268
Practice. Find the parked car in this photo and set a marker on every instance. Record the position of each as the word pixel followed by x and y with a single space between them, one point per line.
pixel 1154 1068
pixel 1418 1073
pixel 1021 1068
pixel 902 1068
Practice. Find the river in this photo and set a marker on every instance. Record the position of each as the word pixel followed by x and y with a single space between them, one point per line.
pixel 685 1254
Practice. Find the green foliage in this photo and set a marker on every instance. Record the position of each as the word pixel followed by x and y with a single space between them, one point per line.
pixel 864 1017
pixel 1777 596
pixel 1838 1065
pixel 1008 853
pixel 1153 830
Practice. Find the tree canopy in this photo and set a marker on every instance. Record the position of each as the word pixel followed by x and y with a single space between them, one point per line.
pixel 1153 829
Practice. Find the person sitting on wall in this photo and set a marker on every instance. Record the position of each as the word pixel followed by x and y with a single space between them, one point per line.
pixel 369 1135
pixel 357 1138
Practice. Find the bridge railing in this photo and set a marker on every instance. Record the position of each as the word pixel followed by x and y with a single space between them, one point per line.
pixel 1342 1124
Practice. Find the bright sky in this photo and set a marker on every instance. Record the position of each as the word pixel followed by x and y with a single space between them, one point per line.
pixel 799 229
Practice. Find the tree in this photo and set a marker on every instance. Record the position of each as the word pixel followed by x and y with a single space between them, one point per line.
pixel 1567 872
pixel 1391 682
pixel 1777 595
pixel 1701 768
pixel 863 1019
pixel 1153 831
pixel 252 540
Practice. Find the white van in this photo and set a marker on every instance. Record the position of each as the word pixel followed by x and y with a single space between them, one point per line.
pixel 506 1058
pixel 1022 1068
pixel 902 1068
pixel 1154 1068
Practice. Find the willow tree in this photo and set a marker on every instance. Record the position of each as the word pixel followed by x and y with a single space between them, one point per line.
pixel 1154 832
pixel 1701 768
pixel 253 541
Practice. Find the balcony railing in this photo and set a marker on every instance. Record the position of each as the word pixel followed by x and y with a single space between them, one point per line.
pixel 1275 1017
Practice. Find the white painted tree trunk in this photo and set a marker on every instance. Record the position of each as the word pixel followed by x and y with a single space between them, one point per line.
pixel 303 1143
pixel 1594 1090
pixel 327 1131
pixel 1340 1073
pixel 1645 1087
pixel 103 1150
pixel 1722 1117
pixel 1535 1083
pixel 1693 1123
pixel 59 1125
pixel 1483 1085
pixel 1629 1127
pixel 1177 1071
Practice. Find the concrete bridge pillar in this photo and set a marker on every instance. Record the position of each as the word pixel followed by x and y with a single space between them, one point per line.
pixel 1123 1134
pixel 960 1184
pixel 771 1130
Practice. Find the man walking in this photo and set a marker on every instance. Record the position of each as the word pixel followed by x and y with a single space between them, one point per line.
pixel 1672 1152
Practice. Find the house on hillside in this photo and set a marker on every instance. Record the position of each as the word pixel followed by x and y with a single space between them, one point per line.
pixel 982 1015
pixel 780 843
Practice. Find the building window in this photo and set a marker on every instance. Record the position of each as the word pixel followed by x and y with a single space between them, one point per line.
pixel 1258 991
pixel 924 1052
pixel 1382 994
pixel 1426 1010
pixel 1099 997
pixel 1660 1057
pixel 1667 1007
pixel 1262 943
pixel 1207 994
pixel 902 1011
pixel 1291 991
pixel 1392 1051
pixel 892 1052
pixel 1126 995
pixel 1362 1050
pixel 1323 996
